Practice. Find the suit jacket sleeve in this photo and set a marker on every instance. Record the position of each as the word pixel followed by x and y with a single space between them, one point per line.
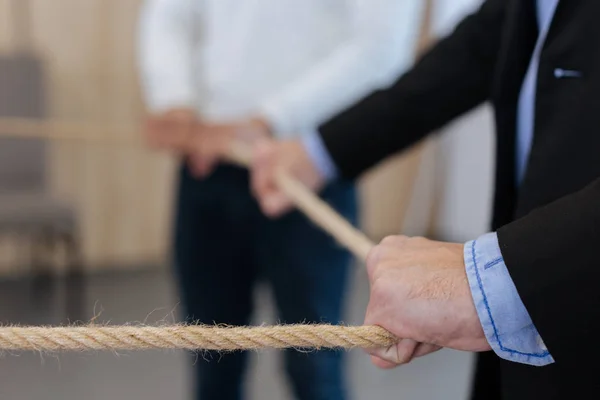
pixel 553 258
pixel 452 78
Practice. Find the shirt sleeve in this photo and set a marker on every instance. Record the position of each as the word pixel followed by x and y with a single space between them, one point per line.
pixel 504 318
pixel 315 148
pixel 166 41
pixel 382 46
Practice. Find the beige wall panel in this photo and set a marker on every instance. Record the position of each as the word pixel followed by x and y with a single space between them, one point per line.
pixel 123 195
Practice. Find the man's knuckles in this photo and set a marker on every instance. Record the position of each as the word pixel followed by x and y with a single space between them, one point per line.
pixel 395 241
pixel 385 258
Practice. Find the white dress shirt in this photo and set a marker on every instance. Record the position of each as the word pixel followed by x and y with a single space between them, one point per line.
pixel 295 62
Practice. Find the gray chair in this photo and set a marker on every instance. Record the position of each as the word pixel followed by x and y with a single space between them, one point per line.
pixel 27 210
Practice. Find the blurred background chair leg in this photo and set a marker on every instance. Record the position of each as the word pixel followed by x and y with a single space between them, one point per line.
pixel 75 279
pixel 43 279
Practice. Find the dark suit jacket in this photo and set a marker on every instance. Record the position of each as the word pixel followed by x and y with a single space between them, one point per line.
pixel 550 253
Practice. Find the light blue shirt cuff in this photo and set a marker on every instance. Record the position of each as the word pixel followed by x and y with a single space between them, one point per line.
pixel 314 146
pixel 504 318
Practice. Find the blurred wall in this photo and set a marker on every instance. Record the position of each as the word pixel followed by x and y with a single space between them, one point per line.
pixel 122 194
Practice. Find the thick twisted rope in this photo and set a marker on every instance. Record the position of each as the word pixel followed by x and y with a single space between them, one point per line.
pixel 88 338
pixel 192 337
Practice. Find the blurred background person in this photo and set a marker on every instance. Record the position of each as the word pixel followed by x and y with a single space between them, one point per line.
pixel 247 70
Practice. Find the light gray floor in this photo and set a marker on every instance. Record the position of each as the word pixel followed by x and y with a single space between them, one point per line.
pixel 150 297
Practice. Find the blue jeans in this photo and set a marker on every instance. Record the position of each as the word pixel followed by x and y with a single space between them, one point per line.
pixel 224 246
